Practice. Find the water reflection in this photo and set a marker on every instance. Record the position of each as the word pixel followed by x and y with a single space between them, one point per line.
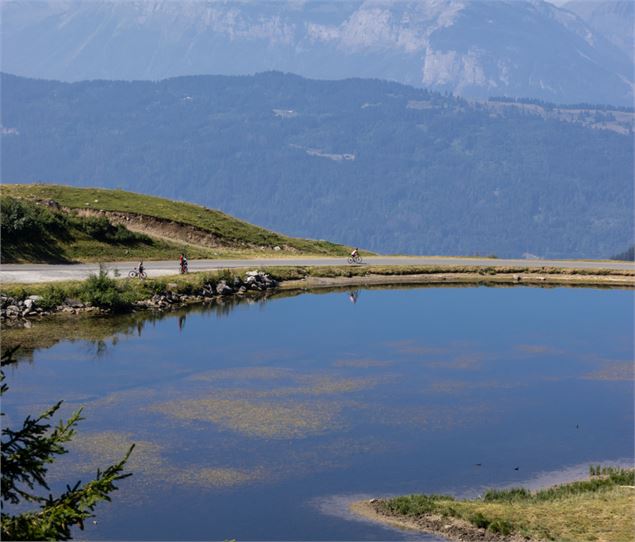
pixel 102 332
pixel 255 411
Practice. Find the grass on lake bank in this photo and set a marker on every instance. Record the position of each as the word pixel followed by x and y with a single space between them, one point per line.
pixel 600 508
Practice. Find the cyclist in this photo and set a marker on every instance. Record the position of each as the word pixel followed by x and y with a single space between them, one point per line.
pixel 355 253
pixel 140 268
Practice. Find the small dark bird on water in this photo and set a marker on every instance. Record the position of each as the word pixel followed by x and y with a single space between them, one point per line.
pixel 478 464
pixel 516 468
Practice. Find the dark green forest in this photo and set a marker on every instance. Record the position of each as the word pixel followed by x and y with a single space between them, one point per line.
pixel 364 162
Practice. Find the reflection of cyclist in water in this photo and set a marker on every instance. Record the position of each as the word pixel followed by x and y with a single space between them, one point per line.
pixel 353 296
pixel 182 322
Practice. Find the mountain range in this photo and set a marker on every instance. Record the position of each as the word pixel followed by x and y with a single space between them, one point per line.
pixel 514 48
pixel 372 163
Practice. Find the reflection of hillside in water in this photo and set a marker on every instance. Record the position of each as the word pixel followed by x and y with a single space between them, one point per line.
pixel 104 331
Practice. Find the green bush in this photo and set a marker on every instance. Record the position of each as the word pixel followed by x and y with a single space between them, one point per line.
pixel 52 296
pixel 101 229
pixel 102 291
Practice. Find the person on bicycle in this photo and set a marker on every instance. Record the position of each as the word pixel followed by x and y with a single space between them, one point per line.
pixel 355 253
pixel 140 268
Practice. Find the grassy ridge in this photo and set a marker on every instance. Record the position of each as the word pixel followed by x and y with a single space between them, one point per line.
pixel 38 233
pixel 227 229
pixel 596 509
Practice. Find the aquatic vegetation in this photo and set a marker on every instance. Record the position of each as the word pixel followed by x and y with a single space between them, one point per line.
pixel 456 386
pixel 413 347
pixel 362 363
pixel 257 419
pixel 150 462
pixel 617 371
pixel 538 349
pixel 215 477
pixel 295 383
pixel 95 448
pixel 244 373
pixel 320 385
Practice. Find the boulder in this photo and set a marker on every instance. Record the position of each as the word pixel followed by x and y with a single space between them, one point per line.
pixel 223 289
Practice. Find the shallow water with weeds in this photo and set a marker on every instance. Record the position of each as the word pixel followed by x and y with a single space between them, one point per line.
pixel 252 420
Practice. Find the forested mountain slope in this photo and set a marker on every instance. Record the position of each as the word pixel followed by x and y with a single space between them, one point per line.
pixel 381 165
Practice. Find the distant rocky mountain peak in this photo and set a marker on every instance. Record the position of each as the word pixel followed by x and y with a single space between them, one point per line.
pixel 518 48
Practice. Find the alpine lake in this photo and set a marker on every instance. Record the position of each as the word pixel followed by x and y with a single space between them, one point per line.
pixel 263 420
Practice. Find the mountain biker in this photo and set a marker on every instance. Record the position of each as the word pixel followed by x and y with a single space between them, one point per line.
pixel 140 268
pixel 355 253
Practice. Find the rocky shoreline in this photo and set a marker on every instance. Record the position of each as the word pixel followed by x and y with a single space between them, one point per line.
pixel 20 312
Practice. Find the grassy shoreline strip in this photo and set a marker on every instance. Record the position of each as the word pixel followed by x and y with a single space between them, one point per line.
pixel 599 508
pixel 306 277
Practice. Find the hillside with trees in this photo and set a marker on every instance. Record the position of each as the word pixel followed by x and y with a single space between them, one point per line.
pixel 381 165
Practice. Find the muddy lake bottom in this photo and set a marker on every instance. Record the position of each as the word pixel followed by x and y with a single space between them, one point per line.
pixel 262 421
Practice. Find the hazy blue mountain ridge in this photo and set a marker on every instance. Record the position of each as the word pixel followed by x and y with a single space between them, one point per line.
pixel 521 48
pixel 363 162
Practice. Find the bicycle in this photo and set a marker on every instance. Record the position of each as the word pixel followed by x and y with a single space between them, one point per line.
pixel 135 274
pixel 355 259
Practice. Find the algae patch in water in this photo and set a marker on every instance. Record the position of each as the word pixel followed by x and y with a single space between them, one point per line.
pixel 362 363
pixel 94 450
pixel 99 449
pixel 321 385
pixel 617 371
pixel 244 373
pixel 538 349
pixel 458 386
pixel 216 477
pixel 265 420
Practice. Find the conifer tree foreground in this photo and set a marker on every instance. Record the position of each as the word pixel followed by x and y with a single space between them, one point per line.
pixel 26 454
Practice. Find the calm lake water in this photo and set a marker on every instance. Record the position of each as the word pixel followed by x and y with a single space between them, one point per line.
pixel 262 421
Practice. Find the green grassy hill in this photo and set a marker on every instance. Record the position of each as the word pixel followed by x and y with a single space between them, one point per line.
pixel 54 223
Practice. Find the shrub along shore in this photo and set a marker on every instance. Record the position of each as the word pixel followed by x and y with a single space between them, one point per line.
pixel 599 508
pixel 105 294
